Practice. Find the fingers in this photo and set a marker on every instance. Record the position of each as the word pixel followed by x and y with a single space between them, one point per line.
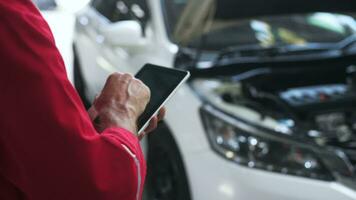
pixel 142 87
pixel 142 135
pixel 119 77
pixel 127 78
pixel 153 123
pixel 151 127
pixel 122 100
pixel 161 114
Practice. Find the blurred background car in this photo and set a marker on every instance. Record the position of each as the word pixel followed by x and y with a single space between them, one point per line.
pixel 270 110
pixel 60 15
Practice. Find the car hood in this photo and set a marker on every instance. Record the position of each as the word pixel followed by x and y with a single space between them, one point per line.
pixel 200 15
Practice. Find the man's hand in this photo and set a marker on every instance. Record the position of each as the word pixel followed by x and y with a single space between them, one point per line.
pixel 153 123
pixel 121 102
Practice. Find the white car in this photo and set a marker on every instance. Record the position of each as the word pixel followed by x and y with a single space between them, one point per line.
pixel 269 113
pixel 59 15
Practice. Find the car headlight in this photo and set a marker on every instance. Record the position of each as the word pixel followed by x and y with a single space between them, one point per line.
pixel 241 143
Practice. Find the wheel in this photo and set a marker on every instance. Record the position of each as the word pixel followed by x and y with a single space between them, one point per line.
pixel 166 177
pixel 79 82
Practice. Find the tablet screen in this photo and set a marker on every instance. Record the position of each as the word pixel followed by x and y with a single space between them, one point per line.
pixel 162 82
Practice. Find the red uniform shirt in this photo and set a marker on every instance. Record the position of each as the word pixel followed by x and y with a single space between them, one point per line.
pixel 49 148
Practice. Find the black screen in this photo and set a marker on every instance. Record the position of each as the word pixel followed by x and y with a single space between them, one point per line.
pixel 162 81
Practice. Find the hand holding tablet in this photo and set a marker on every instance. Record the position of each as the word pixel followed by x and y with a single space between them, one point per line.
pixel 163 83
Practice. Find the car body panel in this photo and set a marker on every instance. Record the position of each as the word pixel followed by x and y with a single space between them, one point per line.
pixel 61 19
pixel 62 25
pixel 110 58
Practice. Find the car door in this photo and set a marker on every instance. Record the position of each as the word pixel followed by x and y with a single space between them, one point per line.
pixel 114 20
pixel 89 43
pixel 125 57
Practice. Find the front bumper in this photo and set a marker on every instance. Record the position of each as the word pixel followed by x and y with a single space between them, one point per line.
pixel 214 178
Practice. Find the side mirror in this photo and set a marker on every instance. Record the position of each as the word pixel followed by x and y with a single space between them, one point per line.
pixel 124 33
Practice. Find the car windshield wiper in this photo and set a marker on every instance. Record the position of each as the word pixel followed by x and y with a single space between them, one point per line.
pixel 278 50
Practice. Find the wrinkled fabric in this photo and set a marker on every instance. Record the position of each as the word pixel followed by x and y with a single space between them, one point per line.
pixel 49 149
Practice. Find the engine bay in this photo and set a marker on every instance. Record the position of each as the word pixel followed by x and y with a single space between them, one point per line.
pixel 321 104
pixel 312 102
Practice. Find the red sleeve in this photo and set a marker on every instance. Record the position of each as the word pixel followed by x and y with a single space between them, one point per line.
pixel 48 146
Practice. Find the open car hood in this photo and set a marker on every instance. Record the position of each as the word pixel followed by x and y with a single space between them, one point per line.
pixel 201 15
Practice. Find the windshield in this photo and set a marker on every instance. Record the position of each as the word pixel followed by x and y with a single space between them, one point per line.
pixel 301 29
pixel 45 4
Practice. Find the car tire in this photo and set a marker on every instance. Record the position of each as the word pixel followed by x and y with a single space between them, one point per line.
pixel 166 177
pixel 79 82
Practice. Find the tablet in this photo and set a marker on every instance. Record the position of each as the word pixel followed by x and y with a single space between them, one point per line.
pixel 163 83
